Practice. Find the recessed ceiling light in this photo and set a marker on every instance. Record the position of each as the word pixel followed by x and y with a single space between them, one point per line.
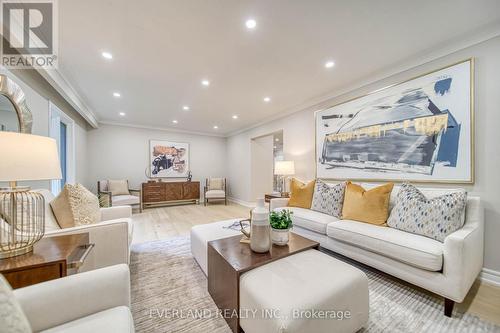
pixel 235 117
pixel 216 127
pixel 277 140
pixel 117 94
pixel 122 114
pixel 329 64
pixel 185 108
pixel 267 99
pixel 175 121
pixel 107 55
pixel 206 83
pixel 251 24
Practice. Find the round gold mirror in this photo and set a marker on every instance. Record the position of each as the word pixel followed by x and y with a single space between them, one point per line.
pixel 15 116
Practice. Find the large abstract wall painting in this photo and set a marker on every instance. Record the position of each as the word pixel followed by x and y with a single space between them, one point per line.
pixel 418 130
pixel 168 159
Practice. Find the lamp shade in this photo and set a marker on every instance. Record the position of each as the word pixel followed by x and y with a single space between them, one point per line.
pixel 284 168
pixel 28 157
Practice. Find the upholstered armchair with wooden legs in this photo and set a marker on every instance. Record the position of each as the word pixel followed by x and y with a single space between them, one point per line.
pixel 118 193
pixel 215 189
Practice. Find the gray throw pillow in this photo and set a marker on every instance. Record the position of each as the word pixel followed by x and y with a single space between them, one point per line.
pixel 327 198
pixel 434 218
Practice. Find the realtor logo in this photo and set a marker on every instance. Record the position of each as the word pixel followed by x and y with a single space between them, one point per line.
pixel 29 34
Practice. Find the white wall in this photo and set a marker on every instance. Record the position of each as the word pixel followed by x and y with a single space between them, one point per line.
pixel 119 152
pixel 38 92
pixel 262 166
pixel 298 131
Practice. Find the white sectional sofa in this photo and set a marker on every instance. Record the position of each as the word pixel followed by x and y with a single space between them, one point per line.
pixel 447 269
pixel 112 236
pixel 96 301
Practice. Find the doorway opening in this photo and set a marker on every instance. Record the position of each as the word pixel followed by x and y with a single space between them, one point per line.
pixel 265 151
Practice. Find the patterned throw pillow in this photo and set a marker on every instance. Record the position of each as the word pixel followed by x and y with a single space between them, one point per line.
pixel 434 218
pixel 328 199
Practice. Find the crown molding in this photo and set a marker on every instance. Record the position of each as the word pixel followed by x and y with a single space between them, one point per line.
pixel 323 101
pixel 57 80
pixel 164 129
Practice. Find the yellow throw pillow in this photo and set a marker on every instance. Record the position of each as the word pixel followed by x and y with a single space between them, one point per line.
pixel 75 206
pixel 301 194
pixel 370 206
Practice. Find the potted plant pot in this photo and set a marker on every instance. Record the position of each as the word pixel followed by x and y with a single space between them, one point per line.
pixel 280 236
pixel 281 223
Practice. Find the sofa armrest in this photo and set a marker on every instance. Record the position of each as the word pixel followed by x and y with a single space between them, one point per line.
pixel 111 239
pixel 463 253
pixel 278 203
pixel 117 212
pixel 56 302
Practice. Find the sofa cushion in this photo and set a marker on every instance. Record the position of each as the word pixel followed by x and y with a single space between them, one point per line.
pixel 415 250
pixel 435 218
pixel 50 220
pixel 309 219
pixel 328 198
pixel 118 319
pixel 215 194
pixel 126 199
pixel 370 206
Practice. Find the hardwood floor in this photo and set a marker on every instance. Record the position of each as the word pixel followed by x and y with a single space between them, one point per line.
pixel 167 222
pixel 153 224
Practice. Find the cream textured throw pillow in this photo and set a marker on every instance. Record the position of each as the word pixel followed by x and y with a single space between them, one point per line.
pixel 12 317
pixel 75 206
pixel 118 187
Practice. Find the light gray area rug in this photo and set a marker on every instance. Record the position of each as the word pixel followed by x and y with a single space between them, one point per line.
pixel 168 286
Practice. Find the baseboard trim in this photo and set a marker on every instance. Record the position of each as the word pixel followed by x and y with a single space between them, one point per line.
pixel 490 276
pixel 242 202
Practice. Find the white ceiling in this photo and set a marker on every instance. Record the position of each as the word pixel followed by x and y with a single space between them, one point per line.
pixel 163 49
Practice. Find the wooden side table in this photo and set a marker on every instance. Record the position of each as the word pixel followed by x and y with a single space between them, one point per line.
pixel 268 197
pixel 52 258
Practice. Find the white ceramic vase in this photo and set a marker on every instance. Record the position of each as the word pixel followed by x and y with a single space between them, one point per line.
pixel 280 236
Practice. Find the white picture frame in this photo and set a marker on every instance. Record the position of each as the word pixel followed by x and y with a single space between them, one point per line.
pixel 420 130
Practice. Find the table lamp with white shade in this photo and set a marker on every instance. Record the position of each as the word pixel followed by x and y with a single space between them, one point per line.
pixel 24 157
pixel 284 169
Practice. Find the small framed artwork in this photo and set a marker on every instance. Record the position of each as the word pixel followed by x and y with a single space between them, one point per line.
pixel 168 159
pixel 420 130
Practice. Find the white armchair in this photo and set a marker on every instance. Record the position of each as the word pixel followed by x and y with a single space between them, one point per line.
pixel 215 189
pixel 132 198
pixel 96 301
pixel 112 236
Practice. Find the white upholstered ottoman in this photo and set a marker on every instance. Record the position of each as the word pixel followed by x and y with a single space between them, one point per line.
pixel 203 233
pixel 308 291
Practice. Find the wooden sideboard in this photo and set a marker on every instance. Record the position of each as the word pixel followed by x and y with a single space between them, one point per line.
pixel 164 193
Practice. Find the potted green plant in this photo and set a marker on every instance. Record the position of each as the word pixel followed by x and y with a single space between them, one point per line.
pixel 281 222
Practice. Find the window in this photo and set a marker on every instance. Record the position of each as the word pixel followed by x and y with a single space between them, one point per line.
pixel 62 151
pixel 61 128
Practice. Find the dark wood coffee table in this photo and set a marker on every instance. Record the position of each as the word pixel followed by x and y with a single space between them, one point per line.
pixel 228 259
